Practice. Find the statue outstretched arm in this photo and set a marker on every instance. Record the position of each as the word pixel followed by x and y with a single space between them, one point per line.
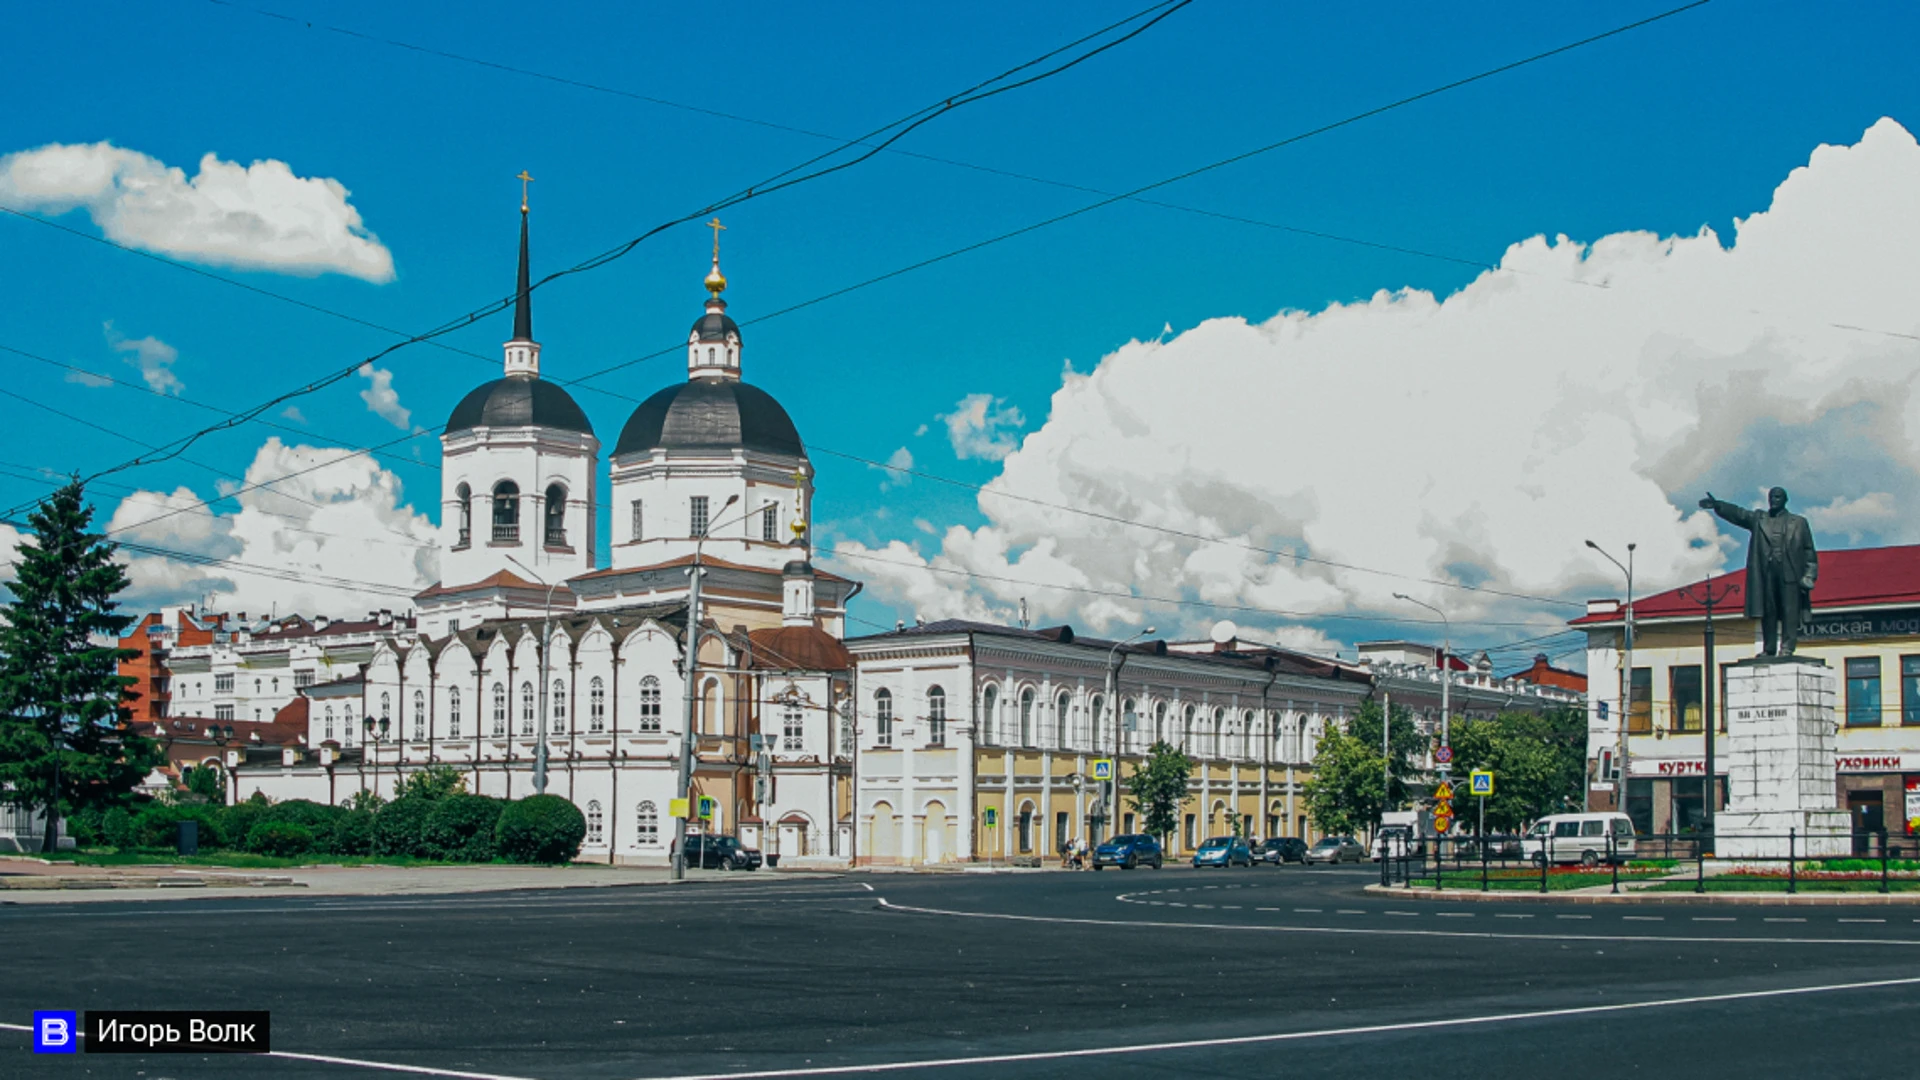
pixel 1737 515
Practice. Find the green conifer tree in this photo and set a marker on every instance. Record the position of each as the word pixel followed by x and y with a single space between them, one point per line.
pixel 66 737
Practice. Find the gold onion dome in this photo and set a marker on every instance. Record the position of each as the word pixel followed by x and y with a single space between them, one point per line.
pixel 716 282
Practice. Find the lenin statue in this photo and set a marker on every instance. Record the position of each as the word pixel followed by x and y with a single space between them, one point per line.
pixel 1781 568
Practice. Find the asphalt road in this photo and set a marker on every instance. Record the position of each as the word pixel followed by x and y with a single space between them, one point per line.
pixel 1172 973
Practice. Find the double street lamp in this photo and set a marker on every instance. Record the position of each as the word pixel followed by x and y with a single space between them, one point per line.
pixel 1446 682
pixel 1113 710
pixel 546 647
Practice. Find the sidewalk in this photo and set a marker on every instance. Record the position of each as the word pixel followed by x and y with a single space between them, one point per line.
pixel 30 881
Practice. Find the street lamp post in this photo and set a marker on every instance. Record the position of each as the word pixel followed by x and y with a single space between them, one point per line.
pixel 1446 682
pixel 1113 709
pixel 221 737
pixel 1709 685
pixel 1626 677
pixel 684 784
pixel 546 647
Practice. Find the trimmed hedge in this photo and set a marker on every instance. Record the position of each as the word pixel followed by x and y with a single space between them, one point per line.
pixel 280 838
pixel 157 825
pixel 399 828
pixel 352 833
pixel 541 829
pixel 117 826
pixel 460 828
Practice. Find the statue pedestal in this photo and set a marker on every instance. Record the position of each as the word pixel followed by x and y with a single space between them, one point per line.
pixel 1780 768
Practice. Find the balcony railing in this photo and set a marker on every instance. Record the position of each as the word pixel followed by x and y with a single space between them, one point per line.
pixel 556 537
pixel 466 537
pixel 506 532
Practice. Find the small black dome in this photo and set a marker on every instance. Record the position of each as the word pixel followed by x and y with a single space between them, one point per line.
pixel 518 401
pixel 710 415
pixel 715 326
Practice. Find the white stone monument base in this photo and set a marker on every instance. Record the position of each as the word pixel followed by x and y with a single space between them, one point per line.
pixel 1764 834
pixel 1780 771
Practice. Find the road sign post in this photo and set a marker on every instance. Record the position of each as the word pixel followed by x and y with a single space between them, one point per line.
pixel 1480 783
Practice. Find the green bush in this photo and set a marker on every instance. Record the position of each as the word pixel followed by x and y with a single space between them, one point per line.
pixel 85 826
pixel 312 816
pixel 399 827
pixel 117 826
pixel 157 825
pixel 352 833
pixel 541 829
pixel 279 838
pixel 460 828
pixel 237 821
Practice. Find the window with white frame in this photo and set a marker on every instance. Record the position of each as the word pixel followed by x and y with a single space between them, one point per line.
pixel 989 716
pixel 327 731
pixel 1026 719
pixel 223 683
pixel 386 711
pixel 646 826
pixel 846 729
pixel 595 826
pixel 557 712
pixel 346 732
pixel 223 712
pixel 596 706
pixel 650 704
pixel 770 523
pixel 453 712
pixel 936 716
pixel 883 717
pixel 793 727
pixel 697 516
pixel 639 514
pixel 526 708
pixel 419 716
pixel 499 710
pixel 1063 720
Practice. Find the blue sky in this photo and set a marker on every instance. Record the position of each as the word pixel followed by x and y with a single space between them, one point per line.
pixel 1690 122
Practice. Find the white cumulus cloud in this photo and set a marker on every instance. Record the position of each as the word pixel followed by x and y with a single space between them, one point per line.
pixel 893 475
pixel 381 398
pixel 259 216
pixel 983 426
pixel 1582 390
pixel 154 359
pixel 338 538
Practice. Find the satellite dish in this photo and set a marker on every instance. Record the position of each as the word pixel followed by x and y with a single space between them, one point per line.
pixel 1224 631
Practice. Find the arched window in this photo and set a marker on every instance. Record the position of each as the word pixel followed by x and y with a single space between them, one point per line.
pixel 597 705
pixel 1160 723
pixel 1026 719
pixel 649 704
pixel 386 706
pixel 646 826
pixel 463 495
pixel 1214 730
pixel 989 721
pixel 419 716
pixel 936 716
pixel 1129 724
pixel 1062 713
pixel 1096 721
pixel 526 708
pixel 557 712
pixel 595 833
pixel 506 512
pixel 499 710
pixel 1245 749
pixel 883 717
pixel 1187 744
pixel 556 516
pixel 714 723
pixel 793 727
pixel 846 729
pixel 327 733
pixel 453 712
pixel 346 730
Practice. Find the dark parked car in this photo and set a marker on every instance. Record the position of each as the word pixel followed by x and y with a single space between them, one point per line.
pixel 1223 852
pixel 1336 849
pixel 720 853
pixel 1281 849
pixel 1129 850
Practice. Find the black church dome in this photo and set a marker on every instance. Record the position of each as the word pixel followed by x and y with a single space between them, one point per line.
pixel 519 401
pixel 710 415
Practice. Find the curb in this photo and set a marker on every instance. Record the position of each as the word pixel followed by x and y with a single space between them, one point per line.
pixel 1655 899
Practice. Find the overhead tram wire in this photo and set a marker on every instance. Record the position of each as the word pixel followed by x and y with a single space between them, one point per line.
pixel 1188 174
pixel 886 134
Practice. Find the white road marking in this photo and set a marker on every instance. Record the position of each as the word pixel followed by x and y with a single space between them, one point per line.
pixel 1644 918
pixel 1266 909
pixel 1406 914
pixel 1513 916
pixel 1864 920
pixel 1453 914
pixel 1316 911
pixel 1289 1036
pixel 1262 928
pixel 1348 911
pixel 1713 918
pixel 1783 920
pixel 1573 916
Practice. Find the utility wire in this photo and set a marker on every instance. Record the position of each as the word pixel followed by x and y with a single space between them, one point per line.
pixel 886 135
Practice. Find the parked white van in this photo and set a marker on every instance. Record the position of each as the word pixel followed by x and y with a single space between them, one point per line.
pixel 1581 838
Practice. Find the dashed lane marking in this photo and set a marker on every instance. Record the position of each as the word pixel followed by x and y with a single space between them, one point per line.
pixel 1713 918
pixel 1783 920
pixel 1649 918
pixel 1511 916
pixel 1864 920
pixel 1405 914
pixel 1453 914
pixel 1573 916
pixel 1316 911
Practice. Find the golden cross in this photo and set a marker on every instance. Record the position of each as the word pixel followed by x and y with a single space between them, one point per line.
pixel 716 227
pixel 524 181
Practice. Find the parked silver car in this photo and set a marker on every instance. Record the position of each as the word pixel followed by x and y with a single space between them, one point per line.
pixel 1336 849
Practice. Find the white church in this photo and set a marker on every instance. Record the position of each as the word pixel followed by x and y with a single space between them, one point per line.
pixel 527 629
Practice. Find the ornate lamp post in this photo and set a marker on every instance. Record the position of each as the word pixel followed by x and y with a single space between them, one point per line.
pixel 1112 794
pixel 546 646
pixel 1626 677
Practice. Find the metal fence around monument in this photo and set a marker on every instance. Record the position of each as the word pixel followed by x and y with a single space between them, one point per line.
pixel 1881 861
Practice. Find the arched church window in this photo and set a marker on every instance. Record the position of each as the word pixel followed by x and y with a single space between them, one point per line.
pixel 596 706
pixel 595 822
pixel 883 717
pixel 989 720
pixel 646 825
pixel 557 712
pixel 453 712
pixel 506 512
pixel 499 709
pixel 556 516
pixel 526 708
pixel 419 716
pixel 1026 719
pixel 649 704
pixel 464 496
pixel 936 716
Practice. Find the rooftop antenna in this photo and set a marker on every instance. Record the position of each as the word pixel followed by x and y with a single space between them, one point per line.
pixel 1023 613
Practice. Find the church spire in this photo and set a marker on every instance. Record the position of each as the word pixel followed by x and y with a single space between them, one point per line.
pixel 713 348
pixel 523 353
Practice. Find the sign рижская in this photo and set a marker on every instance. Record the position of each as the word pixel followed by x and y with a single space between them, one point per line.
pixel 1879 624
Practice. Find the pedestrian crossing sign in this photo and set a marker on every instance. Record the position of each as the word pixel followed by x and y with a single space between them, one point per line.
pixel 1103 769
pixel 1480 782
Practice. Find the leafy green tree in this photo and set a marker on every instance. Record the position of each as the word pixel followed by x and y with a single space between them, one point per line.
pixel 433 782
pixel 1538 762
pixel 1348 790
pixel 66 737
pixel 1158 788
pixel 207 783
